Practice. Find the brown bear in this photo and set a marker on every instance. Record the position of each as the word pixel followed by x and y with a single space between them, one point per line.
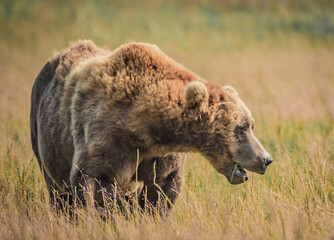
pixel 101 119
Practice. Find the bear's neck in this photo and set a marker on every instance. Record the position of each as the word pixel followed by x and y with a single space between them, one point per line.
pixel 178 130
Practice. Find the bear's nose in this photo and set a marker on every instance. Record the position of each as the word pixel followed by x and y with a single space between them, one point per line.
pixel 268 160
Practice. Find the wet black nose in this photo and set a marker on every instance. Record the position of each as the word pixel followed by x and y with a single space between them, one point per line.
pixel 268 160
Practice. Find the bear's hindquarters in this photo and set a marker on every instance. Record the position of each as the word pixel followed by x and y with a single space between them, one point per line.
pixel 40 87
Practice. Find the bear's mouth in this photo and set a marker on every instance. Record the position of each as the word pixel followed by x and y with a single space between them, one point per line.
pixel 238 174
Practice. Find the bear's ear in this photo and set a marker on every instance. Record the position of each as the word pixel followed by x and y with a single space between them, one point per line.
pixel 231 90
pixel 196 95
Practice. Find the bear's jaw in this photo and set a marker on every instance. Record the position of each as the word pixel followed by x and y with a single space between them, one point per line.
pixel 238 174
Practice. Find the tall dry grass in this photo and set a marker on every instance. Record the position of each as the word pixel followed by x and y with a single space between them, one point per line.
pixel 281 62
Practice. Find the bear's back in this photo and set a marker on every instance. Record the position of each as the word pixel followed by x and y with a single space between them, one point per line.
pixel 66 60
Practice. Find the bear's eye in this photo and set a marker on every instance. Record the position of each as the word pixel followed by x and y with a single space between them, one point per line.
pixel 244 128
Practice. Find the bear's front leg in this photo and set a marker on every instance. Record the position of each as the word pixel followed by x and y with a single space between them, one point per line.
pixel 103 175
pixel 59 199
pixel 163 181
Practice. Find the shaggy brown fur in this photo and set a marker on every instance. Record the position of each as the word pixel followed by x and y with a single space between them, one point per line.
pixel 93 108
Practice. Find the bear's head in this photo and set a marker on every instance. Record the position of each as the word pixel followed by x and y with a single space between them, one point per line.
pixel 221 128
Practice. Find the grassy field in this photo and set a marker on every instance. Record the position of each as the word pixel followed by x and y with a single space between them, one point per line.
pixel 278 55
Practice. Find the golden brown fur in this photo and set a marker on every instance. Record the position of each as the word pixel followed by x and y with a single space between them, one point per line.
pixel 96 108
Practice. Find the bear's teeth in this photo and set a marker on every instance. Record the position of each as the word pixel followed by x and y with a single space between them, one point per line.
pixel 240 172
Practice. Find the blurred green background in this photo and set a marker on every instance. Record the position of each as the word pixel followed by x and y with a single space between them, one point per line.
pixel 186 25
